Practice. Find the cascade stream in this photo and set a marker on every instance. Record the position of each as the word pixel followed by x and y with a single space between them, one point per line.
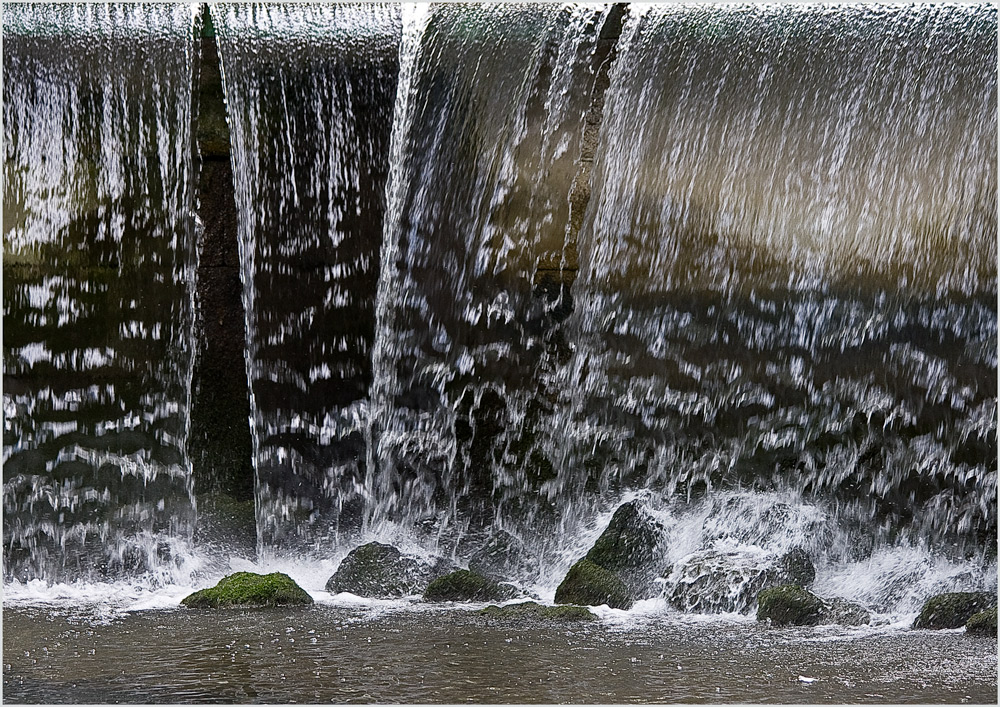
pixel 506 267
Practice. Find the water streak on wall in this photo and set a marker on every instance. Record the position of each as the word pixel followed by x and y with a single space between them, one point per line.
pixel 486 141
pixel 788 270
pixel 98 275
pixel 309 92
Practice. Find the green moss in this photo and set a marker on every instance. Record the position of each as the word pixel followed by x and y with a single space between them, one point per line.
pixel 249 589
pixel 534 610
pixel 630 540
pixel 984 623
pixel 591 585
pixel 953 609
pixel 789 605
pixel 463 585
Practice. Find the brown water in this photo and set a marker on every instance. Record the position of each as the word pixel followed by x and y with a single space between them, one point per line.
pixel 333 654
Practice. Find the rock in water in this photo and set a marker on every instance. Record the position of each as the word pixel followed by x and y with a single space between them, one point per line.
pixel 983 624
pixel 717 582
pixel 463 585
pixel 379 571
pixel 591 585
pixel 504 558
pixel 534 610
pixel 632 546
pixel 248 589
pixel 789 605
pixel 953 610
pixel 844 613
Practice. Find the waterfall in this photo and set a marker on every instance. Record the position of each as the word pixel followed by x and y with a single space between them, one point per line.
pixel 788 270
pixel 486 140
pixel 309 92
pixel 505 267
pixel 98 270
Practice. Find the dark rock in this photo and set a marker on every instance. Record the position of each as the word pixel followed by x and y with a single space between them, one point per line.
pixel 798 567
pixel 534 610
pixel 953 610
pixel 789 605
pixel 592 585
pixel 631 547
pixel 463 585
pixel 248 589
pixel 717 582
pixel 844 613
pixel 504 557
pixel 983 623
pixel 379 571
pixel 631 539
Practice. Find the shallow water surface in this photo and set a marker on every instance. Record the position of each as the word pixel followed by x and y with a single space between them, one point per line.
pixel 330 653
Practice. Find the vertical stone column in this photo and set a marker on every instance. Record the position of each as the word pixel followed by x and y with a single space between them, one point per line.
pixel 220 445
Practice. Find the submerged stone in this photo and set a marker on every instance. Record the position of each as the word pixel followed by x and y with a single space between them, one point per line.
pixel 249 589
pixel 504 557
pixel 844 613
pixel 534 610
pixel 591 585
pixel 953 609
pixel 463 585
pixel 983 623
pixel 789 605
pixel 379 571
pixel 720 582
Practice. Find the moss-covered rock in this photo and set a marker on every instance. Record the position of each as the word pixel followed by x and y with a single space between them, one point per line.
pixel 592 585
pixel 249 589
pixel 503 557
pixel 379 571
pixel 631 547
pixel 534 610
pixel 789 605
pixel 983 623
pixel 463 585
pixel 953 609
pixel 632 538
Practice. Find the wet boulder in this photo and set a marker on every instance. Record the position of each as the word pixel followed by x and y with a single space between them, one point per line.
pixel 844 613
pixel 953 609
pixel 789 605
pixel 380 571
pixel 632 546
pixel 463 585
pixel 502 558
pixel 247 589
pixel 983 623
pixel 589 584
pixel 533 610
pixel 712 581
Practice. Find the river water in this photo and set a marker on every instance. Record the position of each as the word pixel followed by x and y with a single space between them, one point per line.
pixel 345 650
